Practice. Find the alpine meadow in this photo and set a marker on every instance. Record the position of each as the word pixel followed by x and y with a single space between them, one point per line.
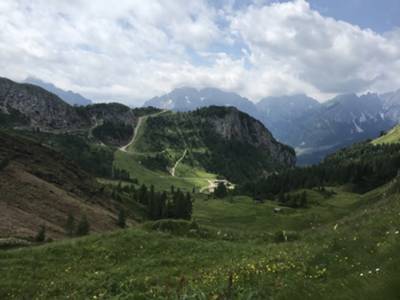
pixel 230 149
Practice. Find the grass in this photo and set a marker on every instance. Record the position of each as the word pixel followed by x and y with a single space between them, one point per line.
pixel 243 215
pixel 350 253
pixel 186 178
pixel 161 180
pixel 392 137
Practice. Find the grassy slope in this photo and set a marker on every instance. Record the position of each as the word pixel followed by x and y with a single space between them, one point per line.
pixel 161 180
pixel 41 187
pixel 356 235
pixel 186 177
pixel 393 136
pixel 168 136
pixel 243 216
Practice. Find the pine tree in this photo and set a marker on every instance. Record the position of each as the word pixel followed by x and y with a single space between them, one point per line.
pixel 70 225
pixel 220 191
pixel 303 199
pixel 121 219
pixel 281 197
pixel 143 195
pixel 163 206
pixel 152 207
pixel 41 235
pixel 188 207
pixel 83 226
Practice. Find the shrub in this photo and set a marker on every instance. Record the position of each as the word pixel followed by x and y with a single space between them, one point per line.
pixel 70 225
pixel 394 187
pixel 220 191
pixel 176 227
pixel 83 226
pixel 121 219
pixel 41 235
pixel 8 243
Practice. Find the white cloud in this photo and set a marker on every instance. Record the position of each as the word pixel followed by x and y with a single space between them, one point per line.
pixel 133 50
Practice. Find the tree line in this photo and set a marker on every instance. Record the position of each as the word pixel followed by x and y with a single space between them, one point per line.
pixel 174 204
pixel 365 166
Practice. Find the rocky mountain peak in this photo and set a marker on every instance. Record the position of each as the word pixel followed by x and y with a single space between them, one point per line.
pixel 234 125
pixel 43 109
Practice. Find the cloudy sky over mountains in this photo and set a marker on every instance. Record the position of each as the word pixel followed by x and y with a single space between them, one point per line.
pixel 133 50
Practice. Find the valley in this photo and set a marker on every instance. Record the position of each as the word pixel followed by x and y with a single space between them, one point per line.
pixel 201 204
pixel 345 247
pixel 200 150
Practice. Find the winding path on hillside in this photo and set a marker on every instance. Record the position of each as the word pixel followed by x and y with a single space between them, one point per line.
pixel 138 125
pixel 212 183
pixel 136 130
pixel 91 129
pixel 177 163
pixel 95 125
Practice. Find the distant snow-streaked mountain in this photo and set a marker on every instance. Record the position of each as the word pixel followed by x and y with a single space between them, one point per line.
pixel 342 121
pixel 187 98
pixel 282 113
pixel 68 96
pixel 313 128
pixel 391 105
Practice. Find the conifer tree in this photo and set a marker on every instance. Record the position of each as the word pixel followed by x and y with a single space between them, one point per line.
pixel 143 195
pixel 220 191
pixel 163 205
pixel 83 226
pixel 41 235
pixel 70 225
pixel 121 218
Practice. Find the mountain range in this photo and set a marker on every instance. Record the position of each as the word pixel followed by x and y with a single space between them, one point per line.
pixel 213 136
pixel 187 193
pixel 68 96
pixel 315 129
pixel 188 98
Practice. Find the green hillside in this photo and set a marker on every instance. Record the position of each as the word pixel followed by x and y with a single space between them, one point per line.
pixel 392 137
pixel 132 162
pixel 342 248
pixel 192 139
pixel 137 178
pixel 149 165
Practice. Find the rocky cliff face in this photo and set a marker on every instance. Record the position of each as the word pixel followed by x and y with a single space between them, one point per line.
pixel 42 109
pixel 234 125
pixel 111 112
pixel 37 108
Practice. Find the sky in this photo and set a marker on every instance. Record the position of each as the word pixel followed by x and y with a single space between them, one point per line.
pixel 132 50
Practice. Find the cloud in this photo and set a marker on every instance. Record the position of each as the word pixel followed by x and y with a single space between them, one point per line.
pixel 300 50
pixel 133 50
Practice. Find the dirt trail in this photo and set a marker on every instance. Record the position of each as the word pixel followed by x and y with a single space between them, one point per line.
pixel 96 124
pixel 139 123
pixel 137 127
pixel 177 163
